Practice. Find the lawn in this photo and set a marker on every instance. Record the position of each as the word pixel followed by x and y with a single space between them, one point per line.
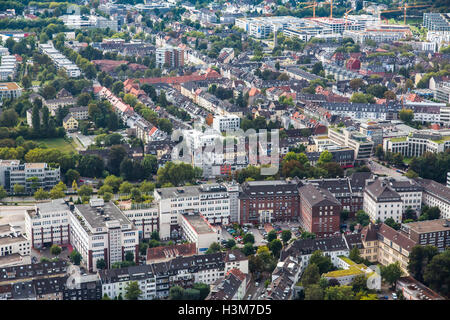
pixel 58 143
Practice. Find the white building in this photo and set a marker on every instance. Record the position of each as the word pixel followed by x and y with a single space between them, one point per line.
pixel 381 201
pixel 436 195
pixel 144 217
pixel 226 123
pixel 9 90
pixel 196 229
pixel 48 223
pixel 211 200
pixel 14 247
pixel 100 230
pixel 60 61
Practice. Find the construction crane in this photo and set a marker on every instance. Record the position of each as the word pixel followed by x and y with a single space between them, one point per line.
pixel 346 14
pixel 314 8
pixel 404 7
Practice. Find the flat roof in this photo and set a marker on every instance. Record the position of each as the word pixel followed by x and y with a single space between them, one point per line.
pixel 8 240
pixel 198 223
pixel 429 226
pixel 97 220
pixel 9 86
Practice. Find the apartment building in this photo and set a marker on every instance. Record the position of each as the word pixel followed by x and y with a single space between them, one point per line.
pixel 320 211
pixel 171 57
pixel 232 287
pixel 435 195
pixel 211 200
pixel 156 279
pixel 196 229
pixel 14 247
pixel 442 92
pixel 414 290
pixel 10 90
pixel 99 230
pixel 301 250
pixel 60 61
pixel 435 21
pixel 48 223
pixel 30 175
pixel 381 201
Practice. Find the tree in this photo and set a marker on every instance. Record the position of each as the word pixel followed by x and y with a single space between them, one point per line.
pixel 129 256
pixel 113 182
pixel 344 215
pixel 247 249
pixel 314 292
pixel 18 189
pixel 72 175
pixel 322 262
pixel 325 157
pixel 355 255
pixel 406 115
pixel 391 273
pixel 176 293
pixel 275 246
pixel 231 243
pixel 75 256
pixel 55 249
pixel 213 248
pixel 339 293
pixel 36 118
pixel 107 196
pixel 419 258
pixel 286 236
pixel 248 238
pixel 307 235
pixel 362 218
pixel 437 273
pixel 125 187
pixel 117 87
pixel 203 288
pixel 132 291
pixel 191 294
pixel 271 236
pixel 359 283
pixel 41 194
pixel 391 223
pixel 9 118
pixel 85 190
pixel 101 264
pixel 3 193
pixel 311 275
pixel 356 84
pixel 57 193
pixel 317 67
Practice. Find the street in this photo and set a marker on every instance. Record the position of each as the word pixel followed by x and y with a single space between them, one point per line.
pixel 377 168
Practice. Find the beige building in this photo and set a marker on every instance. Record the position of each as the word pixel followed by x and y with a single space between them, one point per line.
pixel 70 123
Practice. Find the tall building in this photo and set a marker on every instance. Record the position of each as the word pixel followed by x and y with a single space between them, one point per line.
pixel 169 56
pixel 320 211
pixel 99 230
pixel 381 201
pixel 429 232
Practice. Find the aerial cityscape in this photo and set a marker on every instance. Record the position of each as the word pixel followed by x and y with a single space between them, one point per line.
pixel 263 150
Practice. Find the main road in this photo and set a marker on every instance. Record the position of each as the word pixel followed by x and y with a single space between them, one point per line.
pixel 378 168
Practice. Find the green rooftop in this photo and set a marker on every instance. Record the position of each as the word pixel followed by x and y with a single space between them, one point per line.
pixel 349 261
pixel 398 139
pixel 440 141
pixel 342 273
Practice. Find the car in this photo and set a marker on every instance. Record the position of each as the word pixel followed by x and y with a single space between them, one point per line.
pixel 394 296
pixel 256 284
pixel 249 297
pixel 264 241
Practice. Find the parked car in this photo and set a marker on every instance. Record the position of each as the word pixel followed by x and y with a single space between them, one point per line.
pixel 394 296
pixel 256 284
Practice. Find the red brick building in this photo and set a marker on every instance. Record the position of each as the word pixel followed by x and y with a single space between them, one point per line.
pixel 320 211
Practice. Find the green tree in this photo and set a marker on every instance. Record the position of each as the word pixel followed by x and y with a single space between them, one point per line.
pixel 191 294
pixel 248 249
pixel 314 292
pixel 231 243
pixel 391 273
pixel 129 256
pixel 101 264
pixel 75 256
pixel 362 218
pixel 406 115
pixel 55 249
pixel 286 235
pixel 419 258
pixel 325 157
pixel 275 246
pixel 18 189
pixel 323 262
pixel 355 255
pixel 437 273
pixel 248 238
pixel 3 193
pixel 359 283
pixel 339 293
pixel 41 194
pixel 213 248
pixel 176 293
pixel 203 288
pixel 132 291
pixel 272 235
pixel 85 190
pixel 311 275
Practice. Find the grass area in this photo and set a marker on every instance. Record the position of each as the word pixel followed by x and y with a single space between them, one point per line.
pixel 58 143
